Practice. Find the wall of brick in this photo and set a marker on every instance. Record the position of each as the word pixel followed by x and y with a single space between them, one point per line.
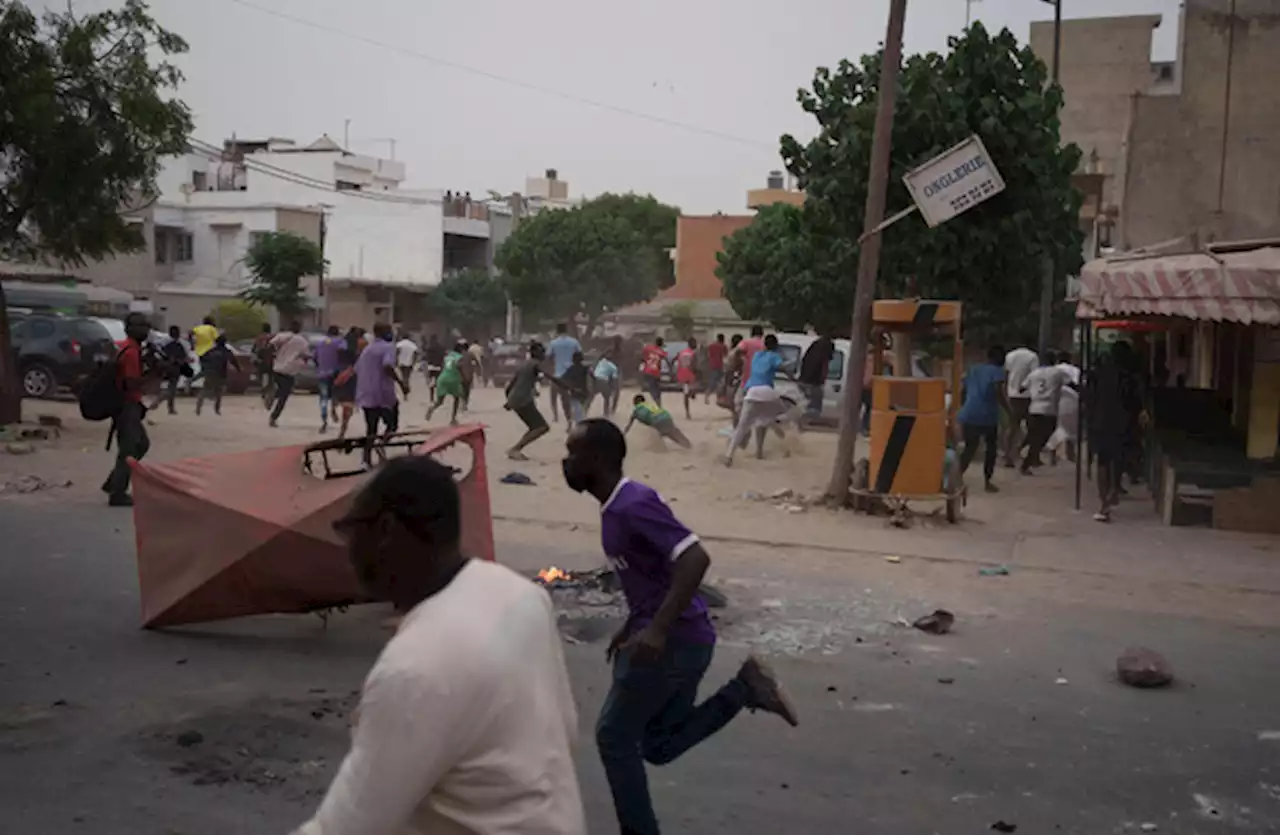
pixel 1181 177
pixel 698 239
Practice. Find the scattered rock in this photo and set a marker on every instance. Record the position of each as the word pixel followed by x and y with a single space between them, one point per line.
pixel 792 508
pixel 893 559
pixel 938 623
pixel 786 786
pixel 19 448
pixel 1149 827
pixel 180 661
pixel 994 571
pixel 189 739
pixel 751 496
pixel 831 688
pixel 517 478
pixel 1060 681
pixel 1001 826
pixel 784 493
pixel 946 680
pixel 1142 667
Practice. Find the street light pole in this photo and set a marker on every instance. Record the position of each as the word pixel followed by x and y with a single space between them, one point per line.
pixel 1050 267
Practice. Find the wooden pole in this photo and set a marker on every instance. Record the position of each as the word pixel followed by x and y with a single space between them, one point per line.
pixel 869 255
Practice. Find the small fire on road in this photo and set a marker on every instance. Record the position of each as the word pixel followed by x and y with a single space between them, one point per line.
pixel 552 574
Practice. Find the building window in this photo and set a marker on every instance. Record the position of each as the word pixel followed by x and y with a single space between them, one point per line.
pixel 255 238
pixel 184 247
pixel 200 180
pixel 162 247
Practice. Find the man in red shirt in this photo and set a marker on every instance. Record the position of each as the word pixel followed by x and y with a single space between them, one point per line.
pixel 687 373
pixel 652 359
pixel 128 427
pixel 716 352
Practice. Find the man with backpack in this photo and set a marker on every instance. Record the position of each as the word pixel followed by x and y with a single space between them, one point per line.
pixel 125 400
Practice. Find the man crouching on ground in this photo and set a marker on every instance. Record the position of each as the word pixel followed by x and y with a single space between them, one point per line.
pixel 466 720
pixel 662 652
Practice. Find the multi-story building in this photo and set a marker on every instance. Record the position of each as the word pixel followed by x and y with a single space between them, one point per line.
pixel 1184 148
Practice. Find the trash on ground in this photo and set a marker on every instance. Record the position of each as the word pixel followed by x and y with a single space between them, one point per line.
pixel 994 571
pixel 1142 667
pixel 938 623
pixel 30 484
pixel 946 680
pixel 1148 827
pixel 893 559
pixel 517 478
pixel 1060 681
pixel 1001 826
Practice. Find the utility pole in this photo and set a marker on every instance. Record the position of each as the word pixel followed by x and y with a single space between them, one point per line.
pixel 869 255
pixel 1050 267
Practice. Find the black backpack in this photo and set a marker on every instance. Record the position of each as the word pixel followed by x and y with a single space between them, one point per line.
pixel 101 397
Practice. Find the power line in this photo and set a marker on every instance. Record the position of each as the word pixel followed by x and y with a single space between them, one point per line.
pixel 503 79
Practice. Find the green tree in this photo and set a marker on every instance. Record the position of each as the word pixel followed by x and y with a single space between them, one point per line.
pixel 680 315
pixel 581 261
pixel 238 319
pixel 278 261
pixel 654 220
pixel 470 301
pixel 991 256
pixel 781 270
pixel 85 117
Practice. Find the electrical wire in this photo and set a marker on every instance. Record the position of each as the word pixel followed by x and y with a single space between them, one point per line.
pixel 502 79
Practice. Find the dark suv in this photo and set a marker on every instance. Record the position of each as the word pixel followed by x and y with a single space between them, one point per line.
pixel 55 351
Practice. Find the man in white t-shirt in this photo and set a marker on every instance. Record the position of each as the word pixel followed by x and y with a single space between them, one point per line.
pixel 1018 365
pixel 406 356
pixel 292 353
pixel 1044 388
pixel 466 721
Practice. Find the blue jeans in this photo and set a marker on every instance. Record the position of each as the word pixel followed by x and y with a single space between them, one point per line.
pixel 813 399
pixel 650 715
pixel 653 385
pixel 325 386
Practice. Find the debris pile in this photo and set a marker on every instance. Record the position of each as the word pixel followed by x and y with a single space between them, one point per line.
pixel 1142 667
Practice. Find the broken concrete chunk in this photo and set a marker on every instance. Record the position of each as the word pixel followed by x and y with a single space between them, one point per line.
pixel 1142 667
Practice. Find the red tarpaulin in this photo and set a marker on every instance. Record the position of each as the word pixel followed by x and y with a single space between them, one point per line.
pixel 250 533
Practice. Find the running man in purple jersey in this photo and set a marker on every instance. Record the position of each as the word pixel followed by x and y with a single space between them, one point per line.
pixel 663 650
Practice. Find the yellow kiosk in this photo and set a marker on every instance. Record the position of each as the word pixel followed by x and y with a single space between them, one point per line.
pixel 910 415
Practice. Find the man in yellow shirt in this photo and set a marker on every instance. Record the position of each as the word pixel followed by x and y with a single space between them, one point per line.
pixel 203 336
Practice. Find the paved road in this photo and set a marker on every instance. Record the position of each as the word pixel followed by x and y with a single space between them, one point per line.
pixel 94 714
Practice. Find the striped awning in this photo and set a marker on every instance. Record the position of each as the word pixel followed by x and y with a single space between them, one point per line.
pixel 1239 287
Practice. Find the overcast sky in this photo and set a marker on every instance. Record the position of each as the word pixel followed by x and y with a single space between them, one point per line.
pixel 478 95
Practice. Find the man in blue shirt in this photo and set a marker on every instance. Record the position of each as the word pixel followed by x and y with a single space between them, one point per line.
pixel 562 349
pixel 979 417
pixel 762 406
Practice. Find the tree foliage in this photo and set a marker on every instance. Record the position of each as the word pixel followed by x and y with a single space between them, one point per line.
pixel 654 220
pixel 586 261
pixel 781 270
pixel 991 257
pixel 278 261
pixel 86 113
pixel 470 301
pixel 238 319
pixel 681 316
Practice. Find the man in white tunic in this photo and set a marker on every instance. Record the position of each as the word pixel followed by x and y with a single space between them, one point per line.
pixel 466 722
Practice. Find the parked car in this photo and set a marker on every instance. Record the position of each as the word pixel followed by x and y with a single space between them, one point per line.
pixel 55 351
pixel 115 327
pixel 792 347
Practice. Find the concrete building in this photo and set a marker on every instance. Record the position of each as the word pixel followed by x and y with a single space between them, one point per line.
pixel 700 238
pixel 1174 149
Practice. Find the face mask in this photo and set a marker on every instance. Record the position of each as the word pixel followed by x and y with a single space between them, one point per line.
pixel 578 482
